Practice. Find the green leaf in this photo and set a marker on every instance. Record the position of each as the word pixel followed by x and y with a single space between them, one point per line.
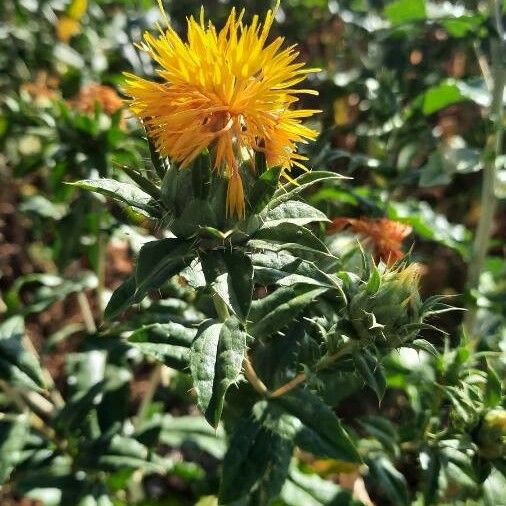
pixel 290 190
pixel 127 193
pixel 303 416
pixel 273 268
pixel 383 430
pixel 158 261
pixel 121 299
pixel 13 436
pixel 115 452
pixel 371 371
pixel 272 313
pixel 231 272
pixel 389 480
pixel 423 344
pixel 494 486
pixel 405 11
pixel 431 467
pixel 374 282
pixel 193 431
pixel 17 365
pixel 168 343
pixel 77 409
pixel 256 459
pixel 493 389
pixel 453 92
pixel 291 211
pixel 456 464
pixel 216 360
pixel 290 238
pixel 263 189
pixel 430 225
pixel 303 489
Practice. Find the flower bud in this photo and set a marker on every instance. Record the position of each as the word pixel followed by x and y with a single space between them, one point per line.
pixel 388 306
pixel 492 434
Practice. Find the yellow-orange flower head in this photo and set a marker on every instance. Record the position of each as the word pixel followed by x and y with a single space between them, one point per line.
pixel 229 90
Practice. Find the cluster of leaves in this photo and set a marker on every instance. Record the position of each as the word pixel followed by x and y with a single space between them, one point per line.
pixel 281 335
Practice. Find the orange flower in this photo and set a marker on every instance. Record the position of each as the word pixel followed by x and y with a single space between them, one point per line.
pixel 66 28
pixel 93 94
pixel 230 90
pixel 382 235
pixel 43 89
pixel 69 25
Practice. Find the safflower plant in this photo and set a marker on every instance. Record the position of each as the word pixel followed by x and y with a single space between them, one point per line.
pixel 223 131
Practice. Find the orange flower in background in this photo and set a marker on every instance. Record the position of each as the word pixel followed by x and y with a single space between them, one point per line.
pixel 91 95
pixel 69 24
pixel 384 236
pixel 66 28
pixel 43 89
pixel 229 90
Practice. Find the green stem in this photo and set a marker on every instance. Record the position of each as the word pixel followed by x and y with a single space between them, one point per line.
pixel 488 198
pixel 325 362
pixel 101 265
pixel 154 380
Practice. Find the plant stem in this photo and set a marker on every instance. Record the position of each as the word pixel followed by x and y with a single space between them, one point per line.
pixel 154 380
pixel 322 364
pixel 492 151
pixel 253 379
pixel 86 313
pixel 101 264
pixel 249 372
pixel 48 379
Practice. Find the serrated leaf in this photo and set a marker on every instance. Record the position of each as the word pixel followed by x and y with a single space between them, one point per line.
pixel 168 343
pixel 291 211
pixel 291 238
pixel 292 189
pixel 256 458
pixel 17 365
pixel 232 275
pixel 302 415
pixel 272 313
pixel 216 360
pixel 371 371
pixel 126 193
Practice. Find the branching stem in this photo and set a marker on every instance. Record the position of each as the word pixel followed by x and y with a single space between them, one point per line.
pixel 326 361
